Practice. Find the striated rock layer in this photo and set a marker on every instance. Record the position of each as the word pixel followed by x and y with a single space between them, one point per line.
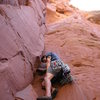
pixel 22 31
pixel 93 16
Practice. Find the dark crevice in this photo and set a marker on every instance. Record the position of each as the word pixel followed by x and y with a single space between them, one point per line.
pixel 19 53
pixel 19 35
pixel 94 36
pixel 77 64
pixel 18 98
pixel 37 62
pixel 31 65
pixel 3 60
pixel 27 2
pixel 1 1
pixel 23 2
pixel 27 50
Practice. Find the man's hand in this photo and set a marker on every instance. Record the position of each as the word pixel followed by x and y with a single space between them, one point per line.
pixel 48 62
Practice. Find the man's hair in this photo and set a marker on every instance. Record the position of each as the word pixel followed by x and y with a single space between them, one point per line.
pixel 43 58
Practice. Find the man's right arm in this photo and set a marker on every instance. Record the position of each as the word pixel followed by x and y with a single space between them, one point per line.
pixel 48 62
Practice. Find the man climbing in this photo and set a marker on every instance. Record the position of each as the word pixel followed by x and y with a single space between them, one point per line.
pixel 54 66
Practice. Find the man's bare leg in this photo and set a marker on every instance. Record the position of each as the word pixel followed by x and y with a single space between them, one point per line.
pixel 43 86
pixel 48 86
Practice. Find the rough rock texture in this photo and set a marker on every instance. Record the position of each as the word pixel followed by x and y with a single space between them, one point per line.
pixel 93 16
pixel 22 31
pixel 74 39
pixel 27 94
pixel 13 2
pixel 77 42
pixel 60 9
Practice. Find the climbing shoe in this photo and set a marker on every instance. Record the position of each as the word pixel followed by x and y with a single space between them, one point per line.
pixel 54 93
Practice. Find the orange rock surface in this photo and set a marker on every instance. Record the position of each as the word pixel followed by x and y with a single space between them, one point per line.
pixel 77 42
pixel 75 39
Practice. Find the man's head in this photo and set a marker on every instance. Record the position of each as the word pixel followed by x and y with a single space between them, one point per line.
pixel 44 59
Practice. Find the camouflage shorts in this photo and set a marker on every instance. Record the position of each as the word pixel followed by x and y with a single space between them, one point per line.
pixel 55 67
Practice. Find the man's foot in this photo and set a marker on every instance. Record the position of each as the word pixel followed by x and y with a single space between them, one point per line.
pixel 54 93
pixel 44 98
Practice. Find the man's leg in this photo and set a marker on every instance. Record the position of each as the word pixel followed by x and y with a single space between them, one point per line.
pixel 48 86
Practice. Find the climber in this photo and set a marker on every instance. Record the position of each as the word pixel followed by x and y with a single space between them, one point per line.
pixel 54 65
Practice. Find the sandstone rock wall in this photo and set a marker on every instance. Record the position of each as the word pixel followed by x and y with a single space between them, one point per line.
pixel 14 2
pixel 22 31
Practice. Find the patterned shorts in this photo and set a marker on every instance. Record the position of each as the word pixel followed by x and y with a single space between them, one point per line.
pixel 55 67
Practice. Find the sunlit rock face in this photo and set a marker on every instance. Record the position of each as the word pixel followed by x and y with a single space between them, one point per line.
pixel 61 9
pixel 57 9
pixel 77 41
pixel 22 31
pixel 93 16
